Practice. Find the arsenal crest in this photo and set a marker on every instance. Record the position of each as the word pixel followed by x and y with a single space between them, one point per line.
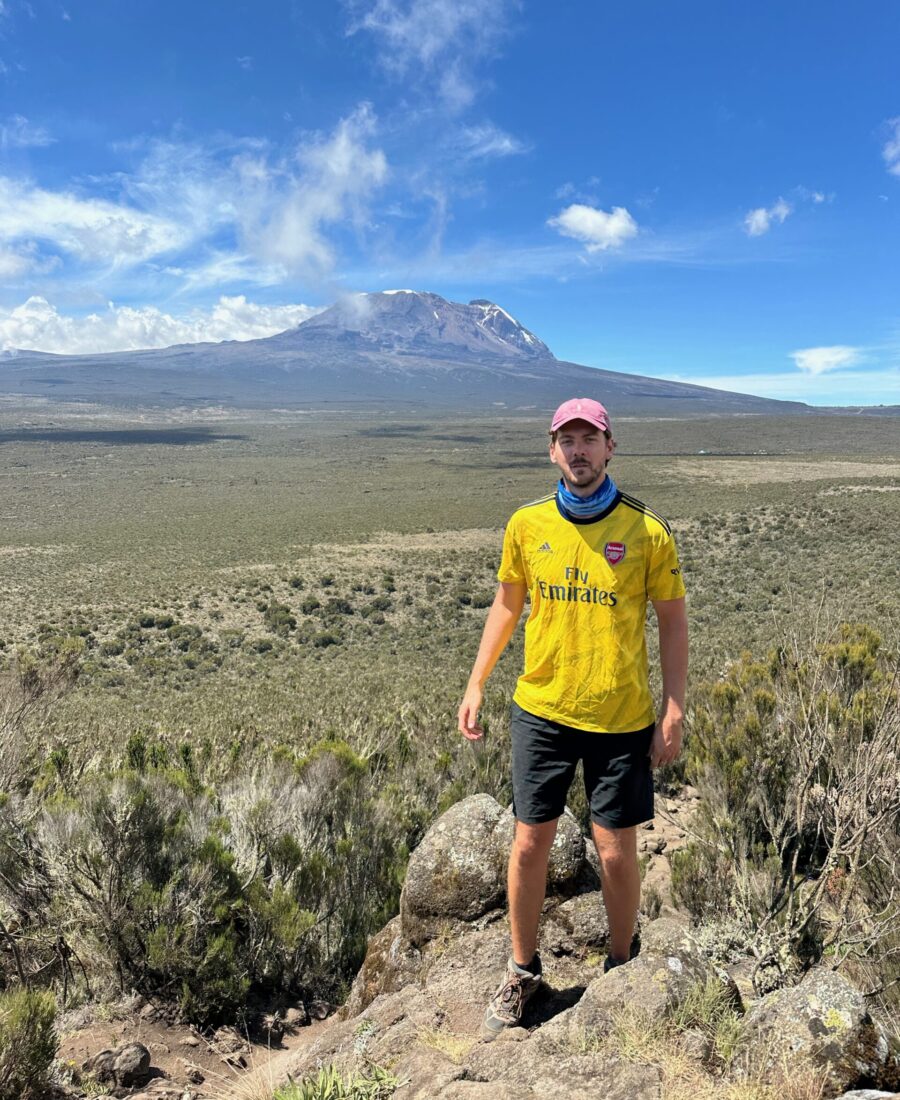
pixel 614 552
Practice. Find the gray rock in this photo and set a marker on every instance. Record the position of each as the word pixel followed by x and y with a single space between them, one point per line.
pixel 577 926
pixel 296 1016
pixel 457 872
pixel 667 935
pixel 390 963
pixel 100 1065
pixel 869 1094
pixel 126 1066
pixel 823 1024
pixel 544 1069
pixel 424 1074
pixel 653 985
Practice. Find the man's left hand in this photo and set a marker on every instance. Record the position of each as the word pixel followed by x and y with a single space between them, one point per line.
pixel 666 743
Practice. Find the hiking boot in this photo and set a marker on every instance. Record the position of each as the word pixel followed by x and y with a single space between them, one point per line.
pixel 508 1003
pixel 609 963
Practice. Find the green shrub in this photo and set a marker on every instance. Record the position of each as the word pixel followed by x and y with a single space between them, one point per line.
pixel 330 1084
pixel 27 1043
pixel 796 759
pixel 278 619
pixel 183 635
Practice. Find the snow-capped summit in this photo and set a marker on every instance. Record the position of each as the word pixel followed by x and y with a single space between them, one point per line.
pixel 412 320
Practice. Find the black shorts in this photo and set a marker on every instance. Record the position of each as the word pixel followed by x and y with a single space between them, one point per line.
pixel 618 779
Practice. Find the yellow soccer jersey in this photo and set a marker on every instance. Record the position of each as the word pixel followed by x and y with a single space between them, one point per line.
pixel 589 582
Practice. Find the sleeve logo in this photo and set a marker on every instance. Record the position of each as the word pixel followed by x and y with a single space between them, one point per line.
pixel 614 552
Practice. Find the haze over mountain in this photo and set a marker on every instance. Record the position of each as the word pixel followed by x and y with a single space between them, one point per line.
pixel 395 349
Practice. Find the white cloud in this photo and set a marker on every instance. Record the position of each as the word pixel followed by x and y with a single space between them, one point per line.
pixel 488 140
pixel 23 260
pixel 282 214
pixel 38 326
pixel 759 221
pixel 246 63
pixel 219 212
pixel 435 39
pixel 597 229
pixel 821 360
pixel 891 150
pixel 92 229
pixel 18 133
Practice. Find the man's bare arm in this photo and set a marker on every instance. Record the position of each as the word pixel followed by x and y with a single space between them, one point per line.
pixel 501 622
pixel 671 617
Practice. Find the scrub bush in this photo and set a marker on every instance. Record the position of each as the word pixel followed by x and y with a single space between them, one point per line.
pixel 797 760
pixel 27 1043
pixel 272 886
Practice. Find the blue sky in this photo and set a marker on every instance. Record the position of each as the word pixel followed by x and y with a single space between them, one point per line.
pixel 706 191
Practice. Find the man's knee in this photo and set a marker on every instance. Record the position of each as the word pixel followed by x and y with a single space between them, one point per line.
pixel 616 848
pixel 532 843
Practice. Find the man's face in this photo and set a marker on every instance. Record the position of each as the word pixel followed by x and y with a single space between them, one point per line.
pixel 581 452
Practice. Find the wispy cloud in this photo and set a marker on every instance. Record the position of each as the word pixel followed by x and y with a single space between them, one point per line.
pixel 759 221
pixel 284 213
pixel 39 326
pixel 891 150
pixel 824 359
pixel 89 228
pixel 596 229
pixel 434 41
pixel 23 260
pixel 488 141
pixel 246 63
pixel 18 133
pixel 229 210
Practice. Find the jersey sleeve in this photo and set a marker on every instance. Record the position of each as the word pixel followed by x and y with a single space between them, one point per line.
pixel 664 580
pixel 512 564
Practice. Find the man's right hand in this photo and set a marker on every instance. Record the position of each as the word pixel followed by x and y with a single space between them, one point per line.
pixel 469 726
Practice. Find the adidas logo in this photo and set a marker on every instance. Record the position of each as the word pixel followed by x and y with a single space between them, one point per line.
pixel 546 548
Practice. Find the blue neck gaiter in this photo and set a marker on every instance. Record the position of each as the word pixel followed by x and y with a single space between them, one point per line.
pixel 586 507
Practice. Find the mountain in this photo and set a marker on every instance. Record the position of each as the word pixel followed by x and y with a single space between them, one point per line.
pixel 402 321
pixel 395 350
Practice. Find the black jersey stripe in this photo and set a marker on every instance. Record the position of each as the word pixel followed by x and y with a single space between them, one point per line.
pixel 532 503
pixel 639 506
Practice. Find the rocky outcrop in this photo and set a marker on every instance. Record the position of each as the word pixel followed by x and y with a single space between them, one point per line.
pixel 417 1003
pixel 822 1023
pixel 458 873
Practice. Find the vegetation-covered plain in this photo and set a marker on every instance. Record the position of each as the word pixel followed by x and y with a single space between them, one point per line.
pixel 233 650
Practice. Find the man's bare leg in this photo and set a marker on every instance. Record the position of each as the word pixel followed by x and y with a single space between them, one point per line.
pixel 527 884
pixel 621 879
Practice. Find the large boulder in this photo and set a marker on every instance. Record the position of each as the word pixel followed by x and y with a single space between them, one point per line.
pixel 651 986
pixel 824 1025
pixel 567 856
pixel 457 875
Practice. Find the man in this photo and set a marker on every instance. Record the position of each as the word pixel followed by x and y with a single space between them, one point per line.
pixel 588 557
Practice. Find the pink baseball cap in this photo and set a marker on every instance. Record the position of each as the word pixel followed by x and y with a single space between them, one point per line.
pixel 581 408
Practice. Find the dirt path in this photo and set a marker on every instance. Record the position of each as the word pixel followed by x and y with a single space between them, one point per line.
pixel 183 1062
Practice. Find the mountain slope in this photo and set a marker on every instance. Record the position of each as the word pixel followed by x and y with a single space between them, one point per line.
pixel 397 349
